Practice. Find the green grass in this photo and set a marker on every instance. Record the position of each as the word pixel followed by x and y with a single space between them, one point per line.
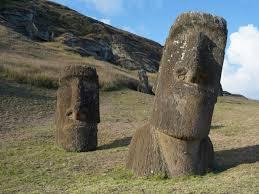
pixel 30 162
pixel 37 165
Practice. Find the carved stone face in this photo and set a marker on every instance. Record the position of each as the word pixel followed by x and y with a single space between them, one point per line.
pixel 77 110
pixel 84 103
pixel 80 101
pixel 189 77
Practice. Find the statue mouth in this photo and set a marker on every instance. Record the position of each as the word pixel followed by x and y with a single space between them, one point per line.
pixel 199 88
pixel 77 125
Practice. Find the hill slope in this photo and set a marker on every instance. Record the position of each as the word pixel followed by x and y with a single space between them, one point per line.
pixel 39 63
pixel 43 20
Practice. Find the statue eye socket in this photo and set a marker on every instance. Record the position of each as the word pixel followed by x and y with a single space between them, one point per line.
pixel 69 113
pixel 181 73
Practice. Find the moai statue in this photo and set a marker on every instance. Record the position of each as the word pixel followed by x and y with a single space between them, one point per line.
pixel 77 113
pixel 220 91
pixel 176 141
pixel 143 82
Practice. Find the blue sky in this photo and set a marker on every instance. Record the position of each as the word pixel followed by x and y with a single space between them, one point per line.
pixel 153 19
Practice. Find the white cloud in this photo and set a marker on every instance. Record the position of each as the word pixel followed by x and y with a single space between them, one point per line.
pixel 241 66
pixel 145 4
pixel 128 29
pixel 106 6
pixel 93 17
pixel 106 21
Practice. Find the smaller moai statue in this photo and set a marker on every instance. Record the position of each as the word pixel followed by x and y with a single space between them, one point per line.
pixel 176 140
pixel 77 111
pixel 143 82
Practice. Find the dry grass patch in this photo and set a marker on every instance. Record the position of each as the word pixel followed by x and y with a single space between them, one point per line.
pixel 45 72
pixel 39 64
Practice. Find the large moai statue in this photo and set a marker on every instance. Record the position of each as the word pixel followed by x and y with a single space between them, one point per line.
pixel 77 113
pixel 176 141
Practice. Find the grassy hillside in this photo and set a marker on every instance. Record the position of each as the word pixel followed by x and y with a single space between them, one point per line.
pixel 39 64
pixel 30 162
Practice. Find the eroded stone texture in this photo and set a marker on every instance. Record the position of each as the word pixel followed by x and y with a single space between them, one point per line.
pixel 153 152
pixel 176 141
pixel 77 113
pixel 190 75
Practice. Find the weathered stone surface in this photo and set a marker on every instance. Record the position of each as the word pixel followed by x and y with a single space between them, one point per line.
pixel 77 112
pixel 45 35
pixel 31 29
pixel 23 21
pixel 88 47
pixel 156 80
pixel 144 156
pixel 152 152
pixel 90 37
pixel 189 78
pixel 176 141
pixel 143 82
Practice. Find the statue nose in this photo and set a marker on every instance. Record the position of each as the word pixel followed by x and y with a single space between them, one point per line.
pixel 76 114
pixel 79 113
pixel 194 72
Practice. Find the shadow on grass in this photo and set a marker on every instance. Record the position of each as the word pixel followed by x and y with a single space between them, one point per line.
pixel 10 88
pixel 217 126
pixel 226 159
pixel 116 143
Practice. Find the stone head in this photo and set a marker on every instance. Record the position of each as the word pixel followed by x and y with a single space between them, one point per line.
pixel 77 98
pixel 77 112
pixel 189 76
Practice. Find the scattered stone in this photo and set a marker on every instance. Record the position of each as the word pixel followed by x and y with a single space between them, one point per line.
pixel 88 47
pixel 23 20
pixel 176 141
pixel 225 93
pixel 31 30
pixel 45 35
pixel 77 113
